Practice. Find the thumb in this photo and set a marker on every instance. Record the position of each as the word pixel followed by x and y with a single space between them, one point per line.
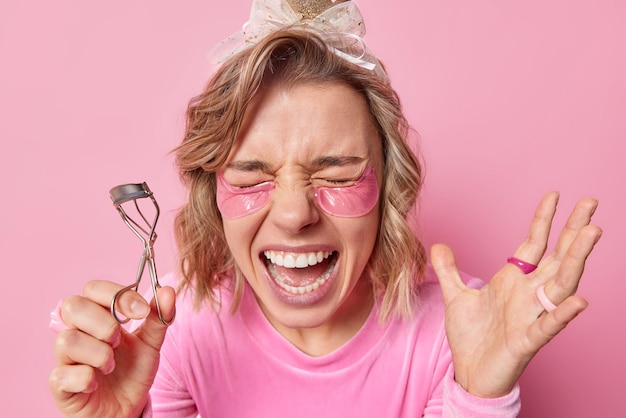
pixel 152 331
pixel 444 264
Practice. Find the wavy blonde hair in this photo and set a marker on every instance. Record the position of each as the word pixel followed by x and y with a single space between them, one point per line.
pixel 214 118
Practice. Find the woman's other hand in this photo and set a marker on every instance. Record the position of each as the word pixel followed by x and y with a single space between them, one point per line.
pixel 495 331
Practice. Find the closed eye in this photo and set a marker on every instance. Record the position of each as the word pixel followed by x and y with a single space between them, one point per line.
pixel 251 186
pixel 323 182
pixel 342 182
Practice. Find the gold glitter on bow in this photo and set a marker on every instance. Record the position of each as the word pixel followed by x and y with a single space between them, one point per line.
pixel 310 9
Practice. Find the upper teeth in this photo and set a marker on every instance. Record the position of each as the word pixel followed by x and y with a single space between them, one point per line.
pixel 296 260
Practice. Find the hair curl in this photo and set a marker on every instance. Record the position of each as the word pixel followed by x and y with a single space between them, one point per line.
pixel 214 118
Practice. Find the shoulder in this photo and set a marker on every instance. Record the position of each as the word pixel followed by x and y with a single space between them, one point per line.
pixel 191 318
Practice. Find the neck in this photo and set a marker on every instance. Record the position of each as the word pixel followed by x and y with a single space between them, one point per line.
pixel 337 331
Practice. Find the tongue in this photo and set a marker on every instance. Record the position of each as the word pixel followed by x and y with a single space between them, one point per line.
pixel 301 276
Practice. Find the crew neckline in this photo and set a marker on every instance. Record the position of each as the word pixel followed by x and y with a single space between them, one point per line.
pixel 282 350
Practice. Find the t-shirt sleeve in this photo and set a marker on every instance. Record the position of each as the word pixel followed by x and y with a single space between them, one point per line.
pixel 169 396
pixel 434 406
pixel 458 403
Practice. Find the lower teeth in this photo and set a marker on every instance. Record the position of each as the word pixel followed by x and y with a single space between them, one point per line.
pixel 301 290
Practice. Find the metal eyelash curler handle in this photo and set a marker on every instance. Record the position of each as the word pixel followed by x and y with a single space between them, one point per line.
pixel 131 193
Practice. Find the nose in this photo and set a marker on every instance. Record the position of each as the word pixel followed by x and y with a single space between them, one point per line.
pixel 293 209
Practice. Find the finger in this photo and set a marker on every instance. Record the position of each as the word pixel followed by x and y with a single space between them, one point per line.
pixel 578 219
pixel 534 246
pixel 91 318
pixel 152 331
pixel 130 304
pixel 75 347
pixel 573 264
pixel 56 323
pixel 65 381
pixel 444 264
pixel 548 326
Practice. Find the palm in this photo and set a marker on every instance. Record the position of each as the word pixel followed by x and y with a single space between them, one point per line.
pixel 495 331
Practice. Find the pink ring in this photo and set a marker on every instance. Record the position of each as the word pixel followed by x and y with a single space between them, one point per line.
pixel 547 304
pixel 523 265
pixel 56 323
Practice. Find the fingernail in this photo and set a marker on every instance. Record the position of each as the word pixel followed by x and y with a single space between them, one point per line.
pixel 93 385
pixel 56 323
pixel 117 339
pixel 140 309
pixel 109 366
pixel 598 237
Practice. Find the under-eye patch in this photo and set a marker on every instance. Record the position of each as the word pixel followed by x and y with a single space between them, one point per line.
pixel 350 201
pixel 235 202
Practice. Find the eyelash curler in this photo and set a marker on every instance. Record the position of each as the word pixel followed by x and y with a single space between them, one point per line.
pixel 127 193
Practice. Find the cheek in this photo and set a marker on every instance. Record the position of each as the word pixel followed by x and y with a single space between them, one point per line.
pixel 352 201
pixel 240 234
pixel 235 203
pixel 359 237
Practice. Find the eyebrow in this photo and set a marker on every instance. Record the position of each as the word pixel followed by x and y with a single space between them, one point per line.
pixel 317 164
pixel 331 161
pixel 249 165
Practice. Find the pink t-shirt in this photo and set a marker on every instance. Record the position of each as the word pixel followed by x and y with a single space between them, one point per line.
pixel 236 365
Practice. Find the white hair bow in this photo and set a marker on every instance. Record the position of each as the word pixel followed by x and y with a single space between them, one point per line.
pixel 341 26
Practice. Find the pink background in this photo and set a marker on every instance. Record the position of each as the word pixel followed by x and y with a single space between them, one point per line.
pixel 511 99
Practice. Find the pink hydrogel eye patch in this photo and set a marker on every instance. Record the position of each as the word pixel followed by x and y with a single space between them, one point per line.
pixel 235 202
pixel 351 201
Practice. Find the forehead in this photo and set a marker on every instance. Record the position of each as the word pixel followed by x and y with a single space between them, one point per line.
pixel 306 121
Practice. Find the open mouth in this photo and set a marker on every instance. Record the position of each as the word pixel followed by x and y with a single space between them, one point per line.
pixel 300 273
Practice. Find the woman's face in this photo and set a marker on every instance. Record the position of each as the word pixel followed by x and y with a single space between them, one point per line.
pixel 299 199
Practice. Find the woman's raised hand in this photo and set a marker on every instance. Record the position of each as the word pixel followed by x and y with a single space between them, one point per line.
pixel 102 369
pixel 495 331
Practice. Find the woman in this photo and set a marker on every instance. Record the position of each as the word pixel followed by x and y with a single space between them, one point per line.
pixel 302 290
